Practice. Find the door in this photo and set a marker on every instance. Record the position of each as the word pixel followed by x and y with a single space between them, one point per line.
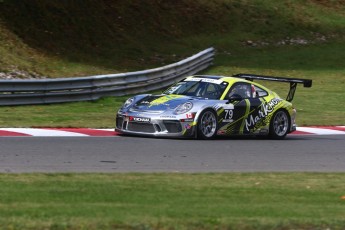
pixel 245 102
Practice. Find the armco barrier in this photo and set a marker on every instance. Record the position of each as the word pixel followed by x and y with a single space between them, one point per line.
pixel 46 91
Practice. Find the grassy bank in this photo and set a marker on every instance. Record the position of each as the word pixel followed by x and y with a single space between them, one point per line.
pixel 172 201
pixel 320 105
pixel 78 38
pixel 296 38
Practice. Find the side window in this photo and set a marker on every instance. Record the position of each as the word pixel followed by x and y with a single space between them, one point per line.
pixel 258 92
pixel 212 91
pixel 241 89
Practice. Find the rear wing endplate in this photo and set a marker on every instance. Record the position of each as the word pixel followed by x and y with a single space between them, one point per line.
pixel 293 82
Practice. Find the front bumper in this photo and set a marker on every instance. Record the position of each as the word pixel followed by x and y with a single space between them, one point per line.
pixel 154 126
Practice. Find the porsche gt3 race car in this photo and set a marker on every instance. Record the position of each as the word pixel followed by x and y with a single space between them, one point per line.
pixel 204 107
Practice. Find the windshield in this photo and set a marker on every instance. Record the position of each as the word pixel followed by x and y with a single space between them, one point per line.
pixel 199 87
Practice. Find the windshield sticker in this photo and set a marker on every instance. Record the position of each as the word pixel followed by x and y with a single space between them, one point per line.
pixel 215 81
pixel 174 88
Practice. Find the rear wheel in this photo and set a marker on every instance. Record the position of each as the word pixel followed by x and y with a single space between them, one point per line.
pixel 279 125
pixel 207 125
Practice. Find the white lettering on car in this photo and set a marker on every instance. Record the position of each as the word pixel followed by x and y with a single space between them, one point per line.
pixel 228 115
pixel 141 119
pixel 263 112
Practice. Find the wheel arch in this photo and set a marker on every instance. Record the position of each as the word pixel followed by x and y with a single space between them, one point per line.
pixel 199 117
pixel 286 111
pixel 274 136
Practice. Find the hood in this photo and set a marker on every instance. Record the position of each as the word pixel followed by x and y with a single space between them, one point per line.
pixel 160 102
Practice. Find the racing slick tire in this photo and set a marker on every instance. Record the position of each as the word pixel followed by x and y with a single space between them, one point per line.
pixel 207 125
pixel 279 125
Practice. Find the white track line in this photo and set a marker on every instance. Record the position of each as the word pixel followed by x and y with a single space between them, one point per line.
pixel 319 131
pixel 44 132
pixel 105 129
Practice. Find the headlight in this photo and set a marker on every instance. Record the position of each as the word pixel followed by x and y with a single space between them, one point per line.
pixel 184 108
pixel 128 102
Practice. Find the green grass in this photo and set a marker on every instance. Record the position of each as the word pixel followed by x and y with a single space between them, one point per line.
pixel 172 201
pixel 320 105
pixel 62 39
pixel 65 39
pixel 98 114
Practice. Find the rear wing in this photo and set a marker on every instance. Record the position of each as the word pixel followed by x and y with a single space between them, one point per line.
pixel 293 82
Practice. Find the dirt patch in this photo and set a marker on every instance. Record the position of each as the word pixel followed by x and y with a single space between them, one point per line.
pixel 335 4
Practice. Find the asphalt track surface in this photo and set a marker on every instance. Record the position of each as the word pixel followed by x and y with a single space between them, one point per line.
pixel 297 153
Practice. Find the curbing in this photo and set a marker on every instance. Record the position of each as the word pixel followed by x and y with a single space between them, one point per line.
pixel 85 132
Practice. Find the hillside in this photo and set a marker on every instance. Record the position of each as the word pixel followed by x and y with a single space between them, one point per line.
pixel 75 38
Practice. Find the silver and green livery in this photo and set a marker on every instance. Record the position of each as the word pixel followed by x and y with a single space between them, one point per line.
pixel 204 107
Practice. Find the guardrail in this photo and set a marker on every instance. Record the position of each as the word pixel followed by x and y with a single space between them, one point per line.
pixel 46 91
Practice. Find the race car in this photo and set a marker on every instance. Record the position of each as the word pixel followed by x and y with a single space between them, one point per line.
pixel 206 106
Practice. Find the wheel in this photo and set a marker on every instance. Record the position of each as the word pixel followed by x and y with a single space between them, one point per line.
pixel 279 125
pixel 207 125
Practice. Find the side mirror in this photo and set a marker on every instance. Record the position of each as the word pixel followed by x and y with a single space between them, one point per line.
pixel 235 97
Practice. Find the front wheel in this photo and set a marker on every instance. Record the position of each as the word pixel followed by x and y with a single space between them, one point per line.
pixel 207 125
pixel 279 125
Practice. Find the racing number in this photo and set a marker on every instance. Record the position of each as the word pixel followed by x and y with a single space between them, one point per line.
pixel 229 113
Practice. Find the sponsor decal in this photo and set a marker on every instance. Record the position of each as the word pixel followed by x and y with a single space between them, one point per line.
pixel 227 106
pixel 190 115
pixel 174 88
pixel 221 132
pixel 139 119
pixel 187 126
pixel 223 105
pixel 186 120
pixel 168 116
pixel 145 102
pixel 265 110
